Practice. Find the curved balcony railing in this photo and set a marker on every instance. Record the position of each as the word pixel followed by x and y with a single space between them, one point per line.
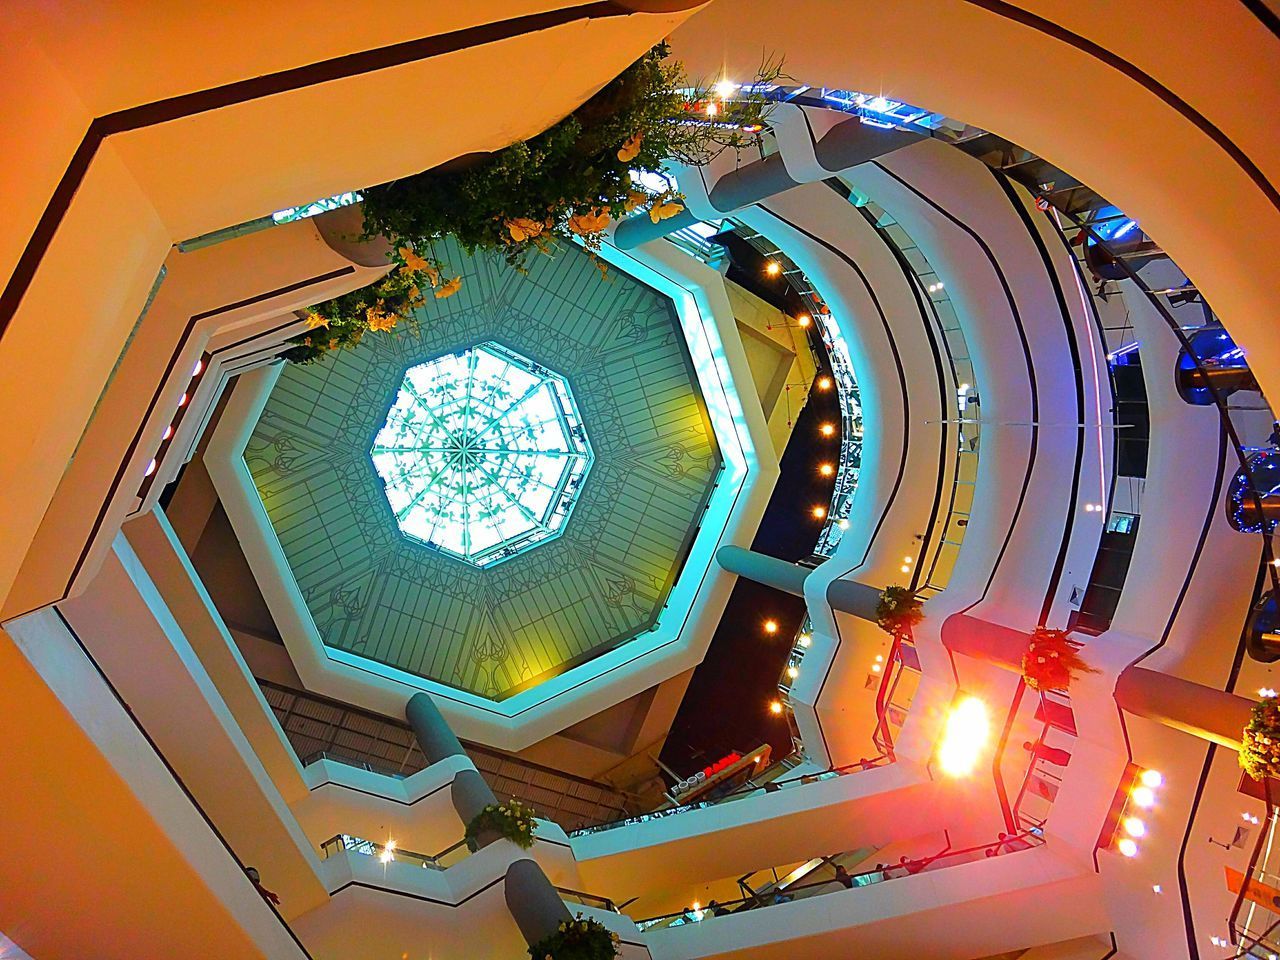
pixel 747 789
pixel 881 873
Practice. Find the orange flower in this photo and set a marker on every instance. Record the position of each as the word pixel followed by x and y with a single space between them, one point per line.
pixel 635 200
pixel 412 262
pixel 591 222
pixel 631 148
pixel 315 320
pixel 449 288
pixel 379 319
pixel 522 228
pixel 664 209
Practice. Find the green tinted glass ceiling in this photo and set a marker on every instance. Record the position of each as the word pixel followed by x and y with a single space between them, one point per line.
pixel 495 630
pixel 483 454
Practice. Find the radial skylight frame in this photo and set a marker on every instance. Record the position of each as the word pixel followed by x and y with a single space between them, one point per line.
pixel 483 454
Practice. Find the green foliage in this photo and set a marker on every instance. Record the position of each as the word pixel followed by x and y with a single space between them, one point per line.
pixel 570 180
pixel 580 939
pixel 1260 742
pixel 1051 660
pixel 898 610
pixel 343 321
pixel 512 820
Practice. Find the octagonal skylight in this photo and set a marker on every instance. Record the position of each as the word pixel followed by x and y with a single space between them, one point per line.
pixel 482 454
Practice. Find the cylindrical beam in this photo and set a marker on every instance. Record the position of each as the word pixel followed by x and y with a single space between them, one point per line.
pixel 1213 715
pixel 534 903
pixel 470 795
pixel 1254 512
pixel 639 230
pixel 983 640
pixel 1226 378
pixel 854 598
pixel 770 571
pixel 435 739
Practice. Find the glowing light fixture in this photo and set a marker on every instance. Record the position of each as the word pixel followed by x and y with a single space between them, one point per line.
pixel 725 88
pixel 388 853
pixel 1134 827
pixel 1127 847
pixel 827 429
pixel 773 268
pixel 792 672
pixel 1151 778
pixel 819 512
pixel 771 626
pixel 824 383
pixel 804 320
pixel 775 707
pixel 713 109
pixel 826 469
pixel 805 640
pixel 967 731
pixel 1143 796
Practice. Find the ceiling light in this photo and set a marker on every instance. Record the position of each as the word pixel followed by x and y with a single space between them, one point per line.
pixel 843 524
pixel 1151 778
pixel 875 668
pixel 1134 827
pixel 805 640
pixel 775 707
pixel 819 512
pixel 824 383
pixel 195 371
pixel 771 626
pixel 804 320
pixel 963 738
pixel 773 268
pixel 712 109
pixel 826 469
pixel 792 672
pixel 725 88
pixel 827 429
pixel 1143 796
pixel 1127 847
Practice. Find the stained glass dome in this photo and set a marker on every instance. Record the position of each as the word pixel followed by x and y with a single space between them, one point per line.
pixel 482 454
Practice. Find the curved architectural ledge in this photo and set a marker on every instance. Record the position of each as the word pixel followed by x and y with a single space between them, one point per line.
pixel 697 598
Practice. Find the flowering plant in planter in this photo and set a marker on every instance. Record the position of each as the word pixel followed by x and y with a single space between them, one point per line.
pixel 1260 742
pixel 573 179
pixel 568 183
pixel 898 610
pixel 512 820
pixel 1051 660
pixel 580 939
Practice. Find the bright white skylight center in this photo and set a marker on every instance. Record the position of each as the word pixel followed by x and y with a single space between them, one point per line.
pixel 483 454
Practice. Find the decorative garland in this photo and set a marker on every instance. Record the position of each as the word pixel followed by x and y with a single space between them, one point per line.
pixel 1260 742
pixel 568 183
pixel 898 610
pixel 580 939
pixel 1051 660
pixel 512 820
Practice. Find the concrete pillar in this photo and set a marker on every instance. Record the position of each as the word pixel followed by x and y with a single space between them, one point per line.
pixel 779 574
pixel 853 597
pixel 986 641
pixel 534 903
pixel 1213 715
pixel 435 738
pixel 470 794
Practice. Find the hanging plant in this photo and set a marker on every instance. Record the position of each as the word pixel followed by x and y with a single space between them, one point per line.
pixel 512 820
pixel 1052 660
pixel 580 939
pixel 570 181
pixel 898 610
pixel 380 307
pixel 1260 742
